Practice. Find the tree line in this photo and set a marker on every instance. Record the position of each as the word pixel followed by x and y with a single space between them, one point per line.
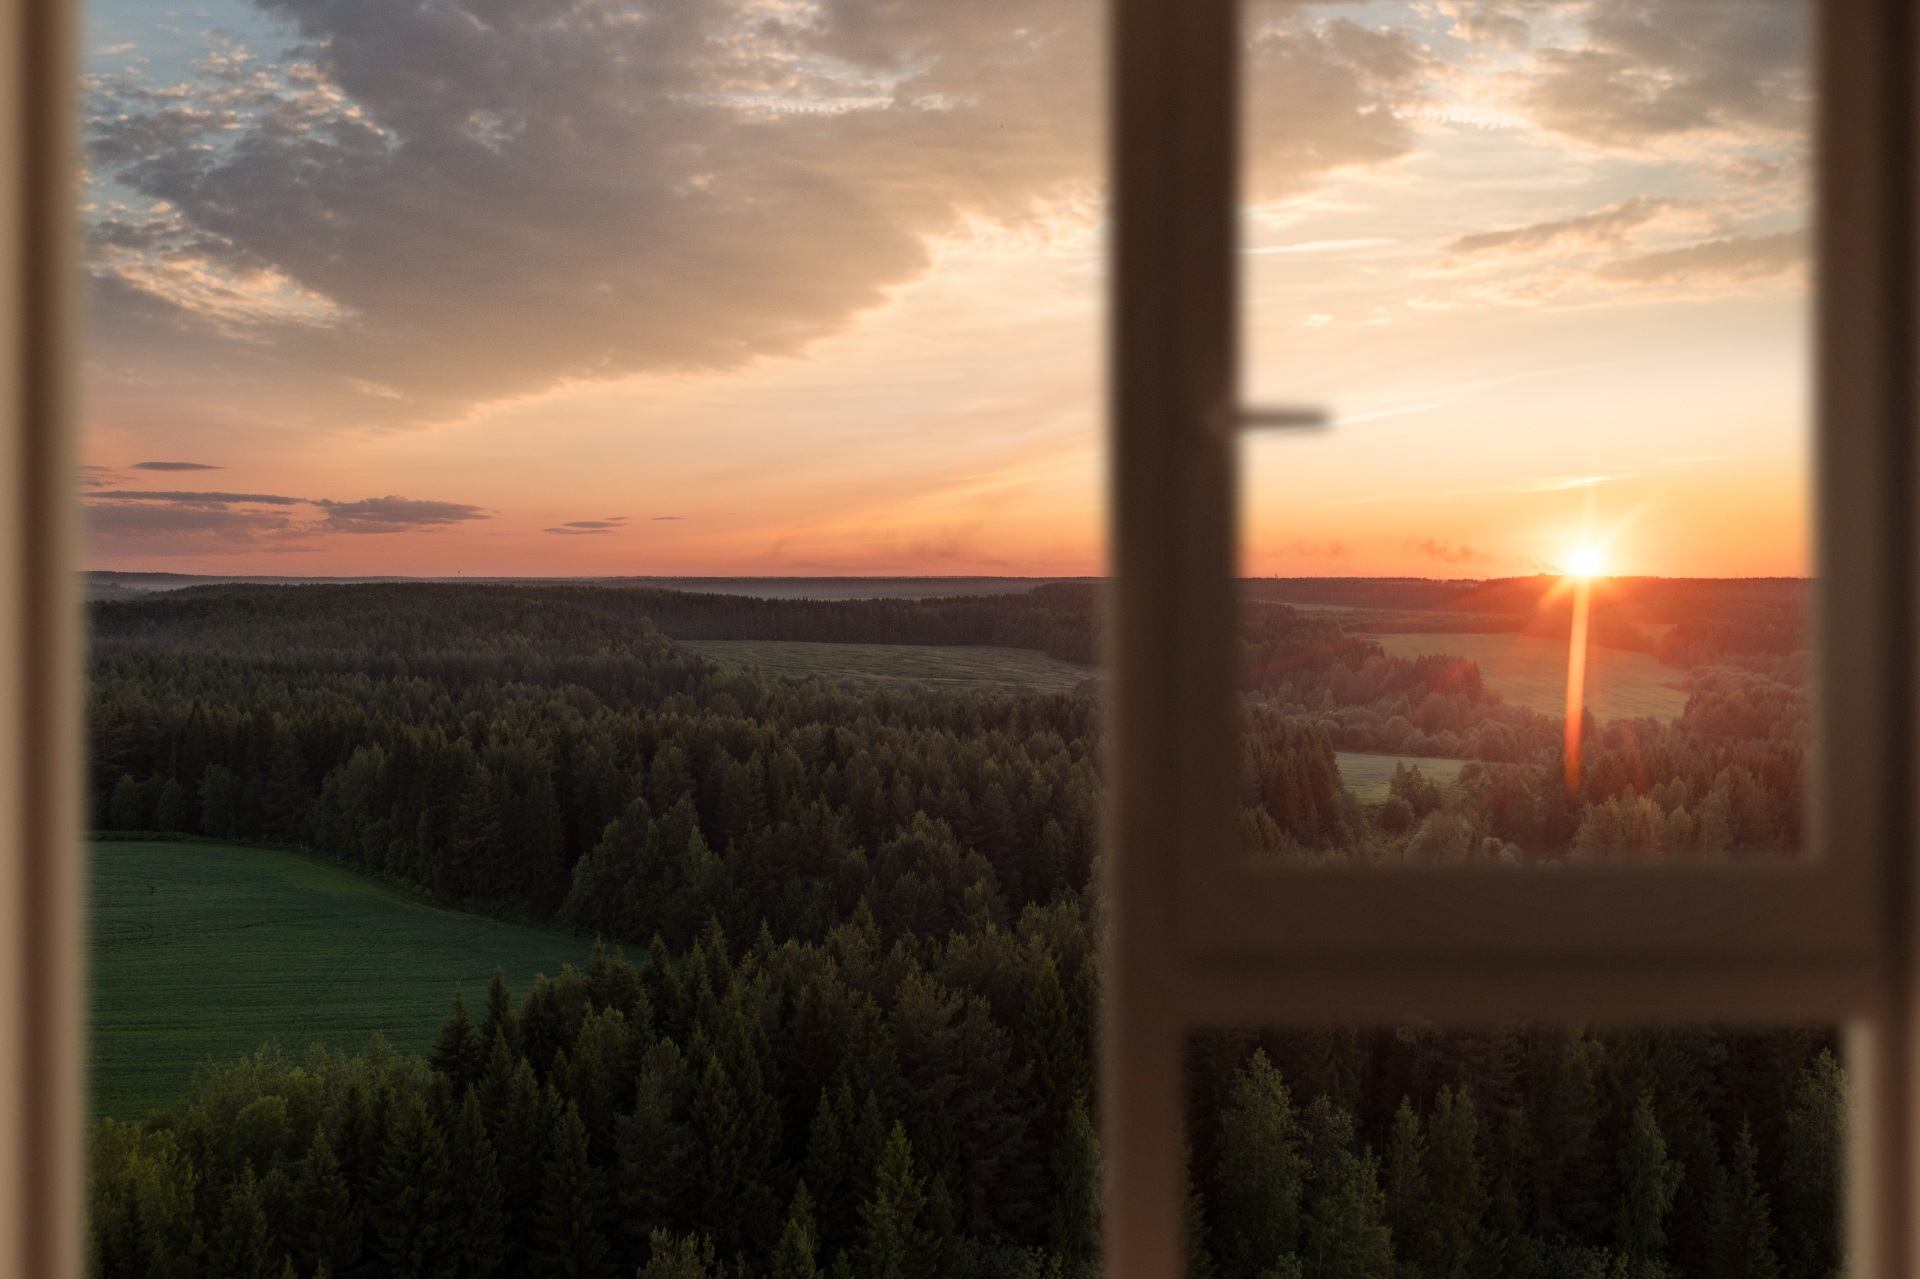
pixel 860 1040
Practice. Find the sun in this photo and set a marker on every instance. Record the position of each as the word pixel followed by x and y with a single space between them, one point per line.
pixel 1584 562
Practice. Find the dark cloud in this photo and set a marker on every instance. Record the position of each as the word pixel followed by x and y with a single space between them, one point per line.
pixel 1606 226
pixel 585 527
pixel 392 514
pixel 428 205
pixel 175 466
pixel 1736 258
pixel 669 517
pixel 201 499
pixel 1649 69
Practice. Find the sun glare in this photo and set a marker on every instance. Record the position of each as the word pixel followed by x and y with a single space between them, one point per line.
pixel 1584 562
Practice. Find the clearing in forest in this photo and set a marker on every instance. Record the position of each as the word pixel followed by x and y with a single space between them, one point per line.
pixel 204 950
pixel 865 667
pixel 1531 671
pixel 1368 776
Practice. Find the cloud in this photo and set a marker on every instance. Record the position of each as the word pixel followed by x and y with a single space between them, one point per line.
pixel 166 522
pixel 392 514
pixel 175 466
pixel 1444 552
pixel 1652 69
pixel 425 206
pixel 200 499
pixel 1741 257
pixel 1605 226
pixel 669 517
pixel 579 528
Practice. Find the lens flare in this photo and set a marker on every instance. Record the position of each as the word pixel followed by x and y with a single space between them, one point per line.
pixel 1584 562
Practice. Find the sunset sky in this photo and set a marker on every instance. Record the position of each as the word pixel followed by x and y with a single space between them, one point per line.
pixel 771 286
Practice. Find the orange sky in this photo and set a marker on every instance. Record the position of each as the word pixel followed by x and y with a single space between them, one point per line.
pixel 815 288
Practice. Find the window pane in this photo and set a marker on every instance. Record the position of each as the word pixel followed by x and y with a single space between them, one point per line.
pixel 1546 268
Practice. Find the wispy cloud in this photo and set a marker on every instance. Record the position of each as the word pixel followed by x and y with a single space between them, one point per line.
pixel 394 514
pixel 581 528
pixel 175 466
pixel 1605 226
pixel 1743 257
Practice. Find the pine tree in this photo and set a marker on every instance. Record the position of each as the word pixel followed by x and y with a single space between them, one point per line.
pixel 324 1228
pixel 571 1239
pixel 1259 1174
pixel 459 1053
pixel 893 1241
pixel 794 1255
pixel 1200 1263
pixel 242 1245
pixel 1648 1182
pixel 830 1167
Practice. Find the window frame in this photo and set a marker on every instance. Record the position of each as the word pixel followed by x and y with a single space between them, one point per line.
pixel 1197 937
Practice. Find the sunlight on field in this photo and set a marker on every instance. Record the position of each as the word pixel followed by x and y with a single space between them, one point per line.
pixel 978 669
pixel 206 951
pixel 1367 776
pixel 1530 671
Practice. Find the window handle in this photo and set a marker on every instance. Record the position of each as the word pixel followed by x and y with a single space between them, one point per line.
pixel 1284 418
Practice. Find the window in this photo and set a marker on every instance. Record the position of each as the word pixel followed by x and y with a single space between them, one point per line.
pixel 1198 938
pixel 1202 939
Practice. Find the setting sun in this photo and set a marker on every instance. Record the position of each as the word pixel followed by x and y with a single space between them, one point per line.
pixel 1585 562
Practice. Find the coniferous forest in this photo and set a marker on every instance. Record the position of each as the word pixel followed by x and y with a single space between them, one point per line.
pixel 843 1016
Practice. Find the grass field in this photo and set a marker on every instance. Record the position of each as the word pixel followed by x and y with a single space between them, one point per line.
pixel 1367 775
pixel 878 665
pixel 206 951
pixel 1531 671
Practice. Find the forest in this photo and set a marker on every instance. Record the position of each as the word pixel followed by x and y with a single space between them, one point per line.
pixel 855 1037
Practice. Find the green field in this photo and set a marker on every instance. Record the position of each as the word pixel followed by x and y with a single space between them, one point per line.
pixel 1367 775
pixel 206 951
pixel 979 669
pixel 1531 671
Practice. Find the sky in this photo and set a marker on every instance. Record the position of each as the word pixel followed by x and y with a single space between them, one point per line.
pixel 584 287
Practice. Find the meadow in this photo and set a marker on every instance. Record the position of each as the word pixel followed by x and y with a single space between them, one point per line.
pixel 874 666
pixel 205 951
pixel 1367 776
pixel 1531 671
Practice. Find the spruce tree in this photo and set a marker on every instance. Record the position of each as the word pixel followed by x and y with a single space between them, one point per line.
pixel 1405 1189
pixel 1813 1155
pixel 459 1053
pixel 415 1212
pixel 499 1018
pixel 1073 1226
pixel 678 1257
pixel 571 1240
pixel 1455 1236
pixel 893 1241
pixel 242 1246
pixel 794 1256
pixel 1746 1248
pixel 1648 1182
pixel 1259 1174
pixel 1345 1233
pixel 324 1227
pixel 482 1235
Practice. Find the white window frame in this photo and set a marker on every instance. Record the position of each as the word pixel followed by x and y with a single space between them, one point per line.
pixel 1197 937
